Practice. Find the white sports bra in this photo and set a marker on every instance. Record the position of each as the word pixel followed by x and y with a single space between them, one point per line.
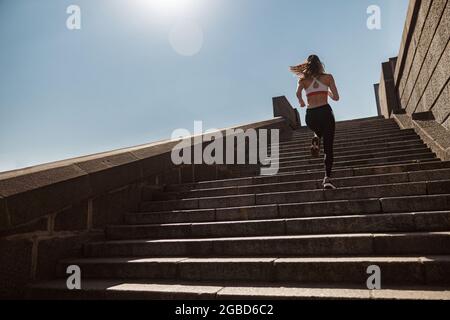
pixel 316 87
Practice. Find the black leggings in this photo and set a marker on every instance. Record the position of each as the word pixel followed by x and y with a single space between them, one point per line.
pixel 321 121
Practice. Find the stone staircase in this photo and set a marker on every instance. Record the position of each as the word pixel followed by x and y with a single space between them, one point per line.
pixel 283 236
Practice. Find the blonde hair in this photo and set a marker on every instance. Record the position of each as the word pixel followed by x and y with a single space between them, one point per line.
pixel 313 67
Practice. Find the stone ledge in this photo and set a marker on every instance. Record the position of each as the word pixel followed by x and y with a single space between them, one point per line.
pixel 430 131
pixel 282 108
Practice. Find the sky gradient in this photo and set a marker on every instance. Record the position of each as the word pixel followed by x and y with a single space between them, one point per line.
pixel 118 81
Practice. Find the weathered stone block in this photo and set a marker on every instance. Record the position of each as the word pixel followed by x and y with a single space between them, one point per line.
pixel 259 269
pixel 290 197
pixel 216 192
pixel 436 49
pixel 441 110
pixel 185 204
pixel 409 58
pixel 437 272
pixel 156 165
pixel 110 208
pixel 357 224
pixel 438 80
pixel 37 194
pixel 247 213
pixel 4 215
pixel 204 172
pixel 15 267
pixel 426 38
pixel 39 224
pixel 305 246
pixel 282 108
pixel 376 191
pixel 351 270
pixel 329 208
pixel 415 204
pixel 160 268
pixel 223 202
pixel 74 218
pixel 52 250
pixel 171 176
pixel 112 172
pixel 153 193
pixel 236 229
pixel 186 173
pixel 187 216
pixel 439 187
pixel 432 221
pixel 148 232
pixel 446 125
pixel 415 243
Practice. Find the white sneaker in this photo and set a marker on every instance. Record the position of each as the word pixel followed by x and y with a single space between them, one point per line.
pixel 327 185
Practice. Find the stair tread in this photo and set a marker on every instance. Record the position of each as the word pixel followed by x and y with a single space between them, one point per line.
pixel 443 164
pixel 294 192
pixel 335 180
pixel 331 217
pixel 289 204
pixel 227 290
pixel 284 237
pixel 334 259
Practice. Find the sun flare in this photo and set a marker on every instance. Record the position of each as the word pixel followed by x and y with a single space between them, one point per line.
pixel 167 8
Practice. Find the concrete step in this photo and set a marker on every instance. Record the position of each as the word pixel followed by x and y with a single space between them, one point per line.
pixel 318 164
pixel 117 289
pixel 314 173
pixel 367 156
pixel 442 174
pixel 410 270
pixel 362 223
pixel 362 125
pixel 378 129
pixel 349 193
pixel 271 172
pixel 435 243
pixel 295 177
pixel 352 137
pixel 305 150
pixel 360 142
pixel 296 210
pixel 368 152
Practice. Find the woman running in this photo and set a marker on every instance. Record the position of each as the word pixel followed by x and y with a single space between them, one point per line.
pixel 318 87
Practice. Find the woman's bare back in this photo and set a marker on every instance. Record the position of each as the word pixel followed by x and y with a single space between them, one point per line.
pixel 320 99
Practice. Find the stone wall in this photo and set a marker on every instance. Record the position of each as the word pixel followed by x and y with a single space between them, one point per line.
pixel 48 212
pixel 387 99
pixel 420 79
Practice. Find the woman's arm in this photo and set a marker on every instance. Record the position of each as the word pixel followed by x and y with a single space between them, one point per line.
pixel 333 93
pixel 299 94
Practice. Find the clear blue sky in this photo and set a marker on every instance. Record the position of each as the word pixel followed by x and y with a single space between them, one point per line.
pixel 118 81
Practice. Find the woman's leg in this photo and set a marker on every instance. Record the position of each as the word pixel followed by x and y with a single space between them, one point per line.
pixel 313 123
pixel 328 141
